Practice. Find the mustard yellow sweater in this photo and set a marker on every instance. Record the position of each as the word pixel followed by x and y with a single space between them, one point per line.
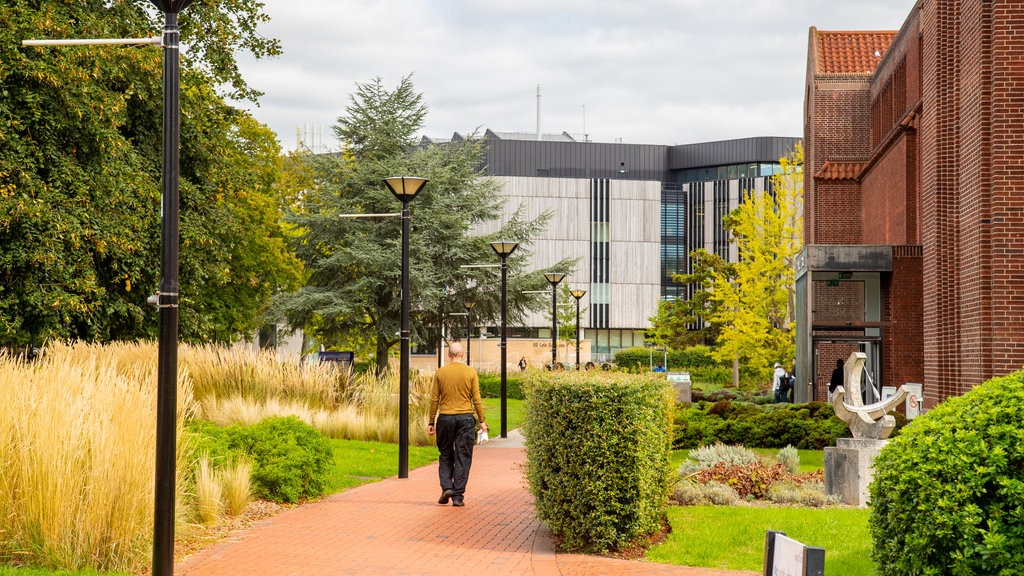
pixel 456 390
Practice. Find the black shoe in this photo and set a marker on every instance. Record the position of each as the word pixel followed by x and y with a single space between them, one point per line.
pixel 457 501
pixel 445 496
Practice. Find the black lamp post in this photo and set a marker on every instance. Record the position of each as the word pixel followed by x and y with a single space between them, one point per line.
pixel 504 250
pixel 554 278
pixel 469 314
pixel 405 189
pixel 167 300
pixel 577 294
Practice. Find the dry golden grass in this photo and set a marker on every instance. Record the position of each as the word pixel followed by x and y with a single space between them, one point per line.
pixel 209 493
pixel 77 444
pixel 236 481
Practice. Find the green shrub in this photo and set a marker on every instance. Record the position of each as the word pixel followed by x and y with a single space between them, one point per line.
pixel 291 460
pixel 948 493
pixel 598 456
pixel 810 426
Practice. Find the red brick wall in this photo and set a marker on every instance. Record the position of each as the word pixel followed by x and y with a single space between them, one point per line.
pixel 948 174
pixel 885 216
pixel 837 206
pixel 840 107
pixel 902 342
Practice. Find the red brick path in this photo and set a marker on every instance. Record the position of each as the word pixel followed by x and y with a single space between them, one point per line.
pixel 396 527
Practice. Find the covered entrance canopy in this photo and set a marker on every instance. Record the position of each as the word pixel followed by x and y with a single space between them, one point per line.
pixel 839 308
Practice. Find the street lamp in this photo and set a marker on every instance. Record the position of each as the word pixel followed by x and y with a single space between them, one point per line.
pixel 469 314
pixel 577 294
pixel 554 278
pixel 404 189
pixel 504 250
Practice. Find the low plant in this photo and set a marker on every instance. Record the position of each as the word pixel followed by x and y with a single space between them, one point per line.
pixel 811 494
pixel 806 426
pixel 749 480
pixel 689 493
pixel 718 453
pixel 789 457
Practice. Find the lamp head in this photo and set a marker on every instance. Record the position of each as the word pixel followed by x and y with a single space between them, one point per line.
pixel 577 294
pixel 554 278
pixel 405 188
pixel 469 305
pixel 504 248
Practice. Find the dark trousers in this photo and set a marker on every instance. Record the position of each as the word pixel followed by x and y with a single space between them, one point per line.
pixel 456 435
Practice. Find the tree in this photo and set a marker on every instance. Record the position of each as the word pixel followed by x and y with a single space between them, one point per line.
pixel 80 175
pixel 355 264
pixel 755 302
pixel 683 323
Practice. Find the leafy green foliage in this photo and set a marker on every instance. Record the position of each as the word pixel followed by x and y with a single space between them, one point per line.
pixel 808 426
pixel 948 493
pixel 754 302
pixel 681 323
pixel 80 176
pixel 291 460
pixel 598 464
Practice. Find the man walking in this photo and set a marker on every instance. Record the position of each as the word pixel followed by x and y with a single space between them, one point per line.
pixel 454 398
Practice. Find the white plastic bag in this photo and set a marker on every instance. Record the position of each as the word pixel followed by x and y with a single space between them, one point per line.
pixel 481 436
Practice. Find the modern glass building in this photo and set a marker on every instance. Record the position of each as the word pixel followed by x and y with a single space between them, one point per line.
pixel 632 212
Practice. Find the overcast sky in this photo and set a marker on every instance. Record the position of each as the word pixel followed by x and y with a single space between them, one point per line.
pixel 636 71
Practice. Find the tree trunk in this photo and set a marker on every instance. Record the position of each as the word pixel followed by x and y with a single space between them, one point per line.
pixel 736 371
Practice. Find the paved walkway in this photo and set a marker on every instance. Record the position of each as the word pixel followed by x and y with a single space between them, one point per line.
pixel 396 527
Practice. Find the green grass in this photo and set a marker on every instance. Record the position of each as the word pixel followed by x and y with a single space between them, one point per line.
pixel 733 537
pixel 357 462
pixel 515 411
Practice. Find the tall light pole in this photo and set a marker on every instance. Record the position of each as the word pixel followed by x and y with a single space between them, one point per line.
pixel 405 189
pixel 167 300
pixel 469 314
pixel 554 278
pixel 504 250
pixel 577 294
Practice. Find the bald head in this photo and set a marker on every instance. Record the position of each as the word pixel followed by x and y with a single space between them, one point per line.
pixel 455 350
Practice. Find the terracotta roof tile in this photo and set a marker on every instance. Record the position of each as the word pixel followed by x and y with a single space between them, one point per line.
pixel 851 52
pixel 839 171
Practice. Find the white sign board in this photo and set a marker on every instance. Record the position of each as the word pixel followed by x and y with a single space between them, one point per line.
pixel 678 376
pixel 915 400
pixel 789 557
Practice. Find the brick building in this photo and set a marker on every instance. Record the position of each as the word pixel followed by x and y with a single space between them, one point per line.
pixel 914 200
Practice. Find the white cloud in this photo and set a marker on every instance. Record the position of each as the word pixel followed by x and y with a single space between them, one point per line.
pixel 645 71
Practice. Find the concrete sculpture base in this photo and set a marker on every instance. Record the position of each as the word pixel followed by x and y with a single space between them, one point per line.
pixel 849 469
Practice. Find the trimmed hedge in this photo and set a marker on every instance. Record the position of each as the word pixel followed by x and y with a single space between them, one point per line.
pixel 948 493
pixel 810 426
pixel 598 456
pixel 696 360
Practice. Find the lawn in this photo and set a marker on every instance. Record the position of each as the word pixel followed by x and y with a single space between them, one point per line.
pixel 733 537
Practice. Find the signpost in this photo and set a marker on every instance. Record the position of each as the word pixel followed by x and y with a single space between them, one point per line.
pixel 787 557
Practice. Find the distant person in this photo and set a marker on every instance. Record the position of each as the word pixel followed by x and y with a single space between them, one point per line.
pixel 837 378
pixel 522 364
pixel 777 377
pixel 454 397
pixel 660 367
